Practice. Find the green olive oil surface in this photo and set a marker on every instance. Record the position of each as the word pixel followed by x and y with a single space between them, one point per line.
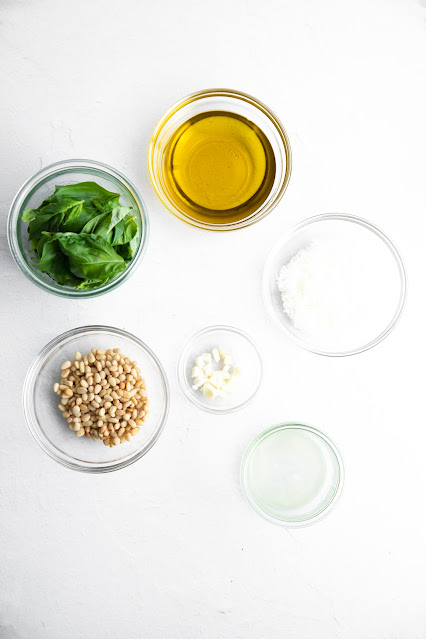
pixel 219 167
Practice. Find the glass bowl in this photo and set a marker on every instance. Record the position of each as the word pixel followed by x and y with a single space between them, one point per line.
pixel 384 310
pixel 292 474
pixel 245 355
pixel 41 186
pixel 50 429
pixel 220 100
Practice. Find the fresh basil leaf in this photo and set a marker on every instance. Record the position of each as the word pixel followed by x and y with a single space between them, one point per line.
pixel 53 217
pixel 126 232
pixel 28 215
pixel 95 199
pixel 90 257
pixel 110 222
pixel 74 232
pixel 88 285
pixel 54 263
pixel 90 226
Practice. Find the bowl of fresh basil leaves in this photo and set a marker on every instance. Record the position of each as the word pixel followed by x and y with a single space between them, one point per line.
pixel 78 228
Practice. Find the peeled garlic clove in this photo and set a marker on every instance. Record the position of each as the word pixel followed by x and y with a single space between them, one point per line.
pixel 216 356
pixel 196 372
pixel 216 379
pixel 208 370
pixel 209 391
pixel 199 381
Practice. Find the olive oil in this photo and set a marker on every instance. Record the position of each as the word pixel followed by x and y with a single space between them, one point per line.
pixel 219 167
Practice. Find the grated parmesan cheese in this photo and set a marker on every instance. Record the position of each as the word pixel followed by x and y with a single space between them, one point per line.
pixel 333 290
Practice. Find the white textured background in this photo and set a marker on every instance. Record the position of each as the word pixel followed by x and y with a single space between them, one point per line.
pixel 168 548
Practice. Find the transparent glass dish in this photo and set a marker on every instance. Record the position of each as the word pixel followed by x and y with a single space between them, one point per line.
pixel 42 185
pixel 389 271
pixel 292 474
pixel 245 355
pixel 50 429
pixel 220 100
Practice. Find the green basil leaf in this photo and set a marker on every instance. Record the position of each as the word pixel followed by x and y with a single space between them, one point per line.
pixel 91 257
pixel 90 226
pixel 126 232
pixel 54 263
pixel 28 215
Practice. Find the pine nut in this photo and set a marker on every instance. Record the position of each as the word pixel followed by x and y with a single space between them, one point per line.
pixel 104 401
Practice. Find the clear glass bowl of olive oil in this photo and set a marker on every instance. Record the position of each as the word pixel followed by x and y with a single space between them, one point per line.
pixel 219 159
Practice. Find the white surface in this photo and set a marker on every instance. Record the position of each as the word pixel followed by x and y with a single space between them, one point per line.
pixel 168 548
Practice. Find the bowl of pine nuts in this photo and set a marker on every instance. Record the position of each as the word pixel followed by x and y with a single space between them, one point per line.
pixel 96 399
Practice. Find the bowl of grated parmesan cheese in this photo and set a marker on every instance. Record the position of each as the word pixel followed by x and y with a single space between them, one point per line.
pixel 336 284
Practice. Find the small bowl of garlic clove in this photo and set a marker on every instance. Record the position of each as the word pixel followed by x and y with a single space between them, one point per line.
pixel 220 369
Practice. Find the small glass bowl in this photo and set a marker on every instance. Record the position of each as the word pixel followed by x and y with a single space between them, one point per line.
pixel 42 185
pixel 245 355
pixel 334 227
pixel 234 102
pixel 50 429
pixel 287 459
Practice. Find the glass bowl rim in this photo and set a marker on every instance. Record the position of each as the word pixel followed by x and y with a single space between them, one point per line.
pixel 238 95
pixel 344 217
pixel 28 401
pixel 297 425
pixel 74 164
pixel 182 359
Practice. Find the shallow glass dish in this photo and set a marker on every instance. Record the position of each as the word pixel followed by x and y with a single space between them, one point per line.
pixel 230 101
pixel 50 429
pixel 245 355
pixel 388 270
pixel 42 185
pixel 292 474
